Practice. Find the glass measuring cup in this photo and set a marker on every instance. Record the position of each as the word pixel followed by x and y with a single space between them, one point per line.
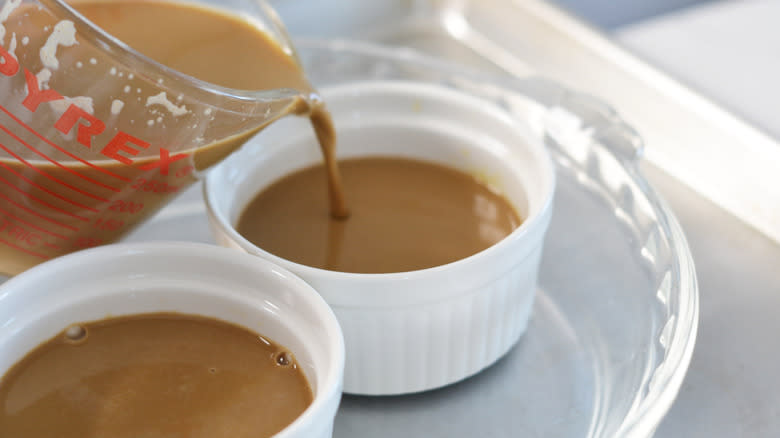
pixel 95 137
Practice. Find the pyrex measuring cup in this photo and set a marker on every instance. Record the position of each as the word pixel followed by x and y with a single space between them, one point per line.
pixel 95 137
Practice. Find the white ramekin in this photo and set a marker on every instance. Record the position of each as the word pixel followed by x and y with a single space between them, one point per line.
pixel 187 278
pixel 411 331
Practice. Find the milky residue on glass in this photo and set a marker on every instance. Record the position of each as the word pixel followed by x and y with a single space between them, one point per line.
pixel 162 99
pixel 63 34
pixel 116 106
pixel 8 7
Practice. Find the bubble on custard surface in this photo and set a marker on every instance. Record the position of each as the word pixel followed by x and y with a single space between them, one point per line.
pixel 283 358
pixel 213 370
pixel 76 334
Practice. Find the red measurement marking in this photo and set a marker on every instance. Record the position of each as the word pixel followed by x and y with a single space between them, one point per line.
pixel 59 148
pixel 71 171
pixel 32 253
pixel 41 201
pixel 57 195
pixel 126 206
pixel 31 225
pixel 35 213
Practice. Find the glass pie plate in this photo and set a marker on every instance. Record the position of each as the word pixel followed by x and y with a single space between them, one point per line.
pixel 615 318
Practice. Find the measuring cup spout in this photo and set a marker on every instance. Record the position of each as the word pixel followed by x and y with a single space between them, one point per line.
pixel 244 118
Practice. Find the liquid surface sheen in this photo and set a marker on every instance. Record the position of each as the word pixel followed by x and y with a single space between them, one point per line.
pixel 205 43
pixel 405 215
pixel 153 376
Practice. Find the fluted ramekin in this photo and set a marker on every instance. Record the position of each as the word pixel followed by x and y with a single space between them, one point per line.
pixel 411 331
pixel 186 278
